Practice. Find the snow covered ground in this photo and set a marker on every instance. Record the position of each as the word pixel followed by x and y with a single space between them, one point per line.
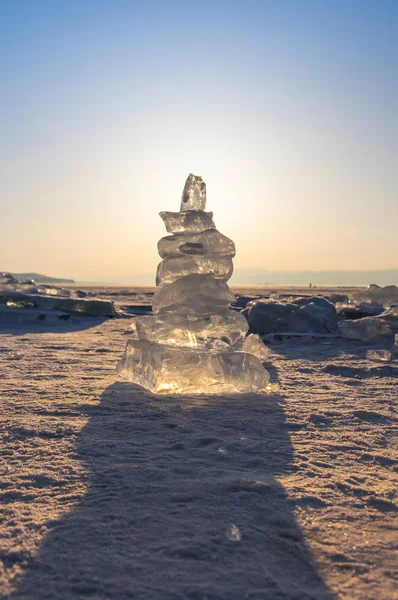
pixel 108 492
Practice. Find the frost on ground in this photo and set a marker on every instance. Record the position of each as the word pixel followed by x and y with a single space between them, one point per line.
pixel 109 492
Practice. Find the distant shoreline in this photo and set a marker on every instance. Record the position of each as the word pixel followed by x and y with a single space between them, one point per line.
pixel 236 287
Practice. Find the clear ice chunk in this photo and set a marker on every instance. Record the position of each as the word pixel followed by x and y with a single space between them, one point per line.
pixel 253 344
pixel 192 221
pixel 194 330
pixel 210 241
pixel 193 289
pixel 194 194
pixel 72 306
pixel 173 268
pixel 386 296
pixel 304 315
pixel 233 534
pixel 372 329
pixel 382 355
pixel 8 279
pixel 167 369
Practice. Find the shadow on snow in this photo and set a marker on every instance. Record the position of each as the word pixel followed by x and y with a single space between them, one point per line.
pixel 168 477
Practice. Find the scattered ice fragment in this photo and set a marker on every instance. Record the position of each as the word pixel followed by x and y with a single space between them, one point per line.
pixel 233 534
pixel 384 355
pixel 50 290
pixel 372 329
pixel 305 315
pixel 386 296
pixel 46 303
pixel 255 345
pixel 8 283
pixel 273 388
pixel 16 355
pixel 336 298
pixel 358 311
pixel 86 308
pixel 8 279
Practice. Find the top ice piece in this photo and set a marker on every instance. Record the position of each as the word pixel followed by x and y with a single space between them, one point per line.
pixel 194 194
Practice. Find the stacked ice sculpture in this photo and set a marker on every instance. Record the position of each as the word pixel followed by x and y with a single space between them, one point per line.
pixel 194 342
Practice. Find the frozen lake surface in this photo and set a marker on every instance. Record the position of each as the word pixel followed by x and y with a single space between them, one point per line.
pixel 107 491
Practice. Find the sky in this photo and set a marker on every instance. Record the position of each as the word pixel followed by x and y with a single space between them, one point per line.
pixel 288 110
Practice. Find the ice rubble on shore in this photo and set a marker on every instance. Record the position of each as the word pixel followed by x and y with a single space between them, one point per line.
pixel 304 315
pixel 27 303
pixel 370 316
pixel 375 295
pixel 381 328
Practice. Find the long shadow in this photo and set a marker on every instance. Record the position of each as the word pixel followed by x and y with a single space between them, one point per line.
pixel 170 478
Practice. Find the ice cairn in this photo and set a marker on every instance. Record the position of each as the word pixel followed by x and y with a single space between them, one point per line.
pixel 194 343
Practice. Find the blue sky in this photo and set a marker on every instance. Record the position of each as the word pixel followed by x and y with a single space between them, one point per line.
pixel 287 109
